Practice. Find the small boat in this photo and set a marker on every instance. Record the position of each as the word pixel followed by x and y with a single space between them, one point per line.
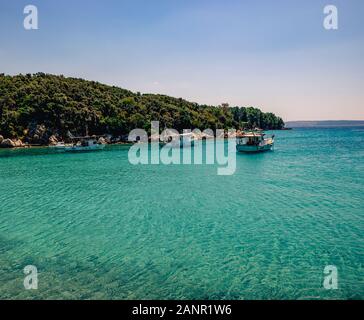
pixel 85 144
pixel 254 142
pixel 60 146
pixel 184 140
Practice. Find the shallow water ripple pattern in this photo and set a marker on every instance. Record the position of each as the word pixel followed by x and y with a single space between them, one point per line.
pixel 99 227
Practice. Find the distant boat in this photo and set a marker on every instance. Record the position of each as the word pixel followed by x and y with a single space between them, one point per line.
pixel 84 144
pixel 184 140
pixel 254 142
pixel 60 146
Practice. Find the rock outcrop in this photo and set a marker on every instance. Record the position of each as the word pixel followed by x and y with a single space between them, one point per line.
pixel 18 143
pixel 52 141
pixel 38 134
pixel 101 141
pixel 9 143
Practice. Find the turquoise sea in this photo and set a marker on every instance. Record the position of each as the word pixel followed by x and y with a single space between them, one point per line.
pixel 97 227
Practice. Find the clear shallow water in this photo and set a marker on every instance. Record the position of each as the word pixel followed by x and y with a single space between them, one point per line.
pixel 98 227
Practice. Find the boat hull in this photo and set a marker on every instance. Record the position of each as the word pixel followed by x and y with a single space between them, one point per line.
pixel 85 148
pixel 179 144
pixel 186 144
pixel 254 149
pixel 60 147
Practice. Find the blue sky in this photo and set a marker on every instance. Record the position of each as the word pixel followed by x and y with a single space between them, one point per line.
pixel 275 55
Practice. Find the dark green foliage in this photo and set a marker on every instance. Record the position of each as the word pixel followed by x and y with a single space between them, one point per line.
pixel 68 104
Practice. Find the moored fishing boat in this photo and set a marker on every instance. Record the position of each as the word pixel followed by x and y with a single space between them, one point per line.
pixel 84 144
pixel 254 142
pixel 183 139
pixel 186 140
pixel 60 146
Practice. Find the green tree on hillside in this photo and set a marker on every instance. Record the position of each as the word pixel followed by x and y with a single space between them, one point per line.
pixel 62 105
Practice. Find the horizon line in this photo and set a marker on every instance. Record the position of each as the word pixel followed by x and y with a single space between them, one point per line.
pixel 325 120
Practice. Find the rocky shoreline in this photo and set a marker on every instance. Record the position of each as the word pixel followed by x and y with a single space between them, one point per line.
pixel 40 136
pixel 11 143
pixel 18 143
pixel 15 143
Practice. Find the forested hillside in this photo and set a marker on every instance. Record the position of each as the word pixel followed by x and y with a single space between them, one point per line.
pixel 58 104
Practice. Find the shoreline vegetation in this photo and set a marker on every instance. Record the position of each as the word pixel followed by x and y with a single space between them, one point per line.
pixel 43 109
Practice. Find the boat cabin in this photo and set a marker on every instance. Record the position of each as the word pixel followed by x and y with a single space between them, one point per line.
pixel 87 142
pixel 254 142
pixel 251 139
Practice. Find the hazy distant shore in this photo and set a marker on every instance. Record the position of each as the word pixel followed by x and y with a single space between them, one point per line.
pixel 325 123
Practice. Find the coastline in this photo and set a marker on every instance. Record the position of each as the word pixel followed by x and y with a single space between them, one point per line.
pixel 16 143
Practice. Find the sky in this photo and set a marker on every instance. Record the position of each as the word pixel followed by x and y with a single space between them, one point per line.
pixel 275 55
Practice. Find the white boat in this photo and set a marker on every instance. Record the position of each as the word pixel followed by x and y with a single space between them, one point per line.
pixel 185 140
pixel 60 146
pixel 85 144
pixel 254 142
